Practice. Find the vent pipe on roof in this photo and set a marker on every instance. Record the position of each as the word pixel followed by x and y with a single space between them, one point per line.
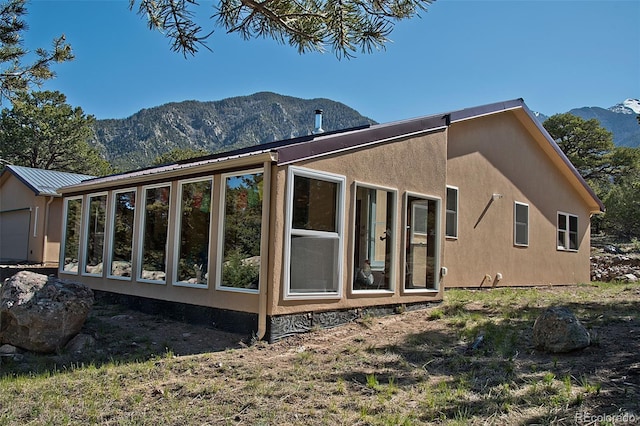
pixel 318 124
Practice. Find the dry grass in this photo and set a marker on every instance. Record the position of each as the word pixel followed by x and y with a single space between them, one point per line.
pixel 413 368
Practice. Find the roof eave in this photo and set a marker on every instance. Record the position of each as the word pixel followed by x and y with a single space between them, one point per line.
pixel 169 172
pixel 515 105
pixel 323 145
pixel 596 205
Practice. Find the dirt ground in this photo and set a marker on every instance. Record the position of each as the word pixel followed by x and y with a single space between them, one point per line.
pixel 123 334
pixel 404 349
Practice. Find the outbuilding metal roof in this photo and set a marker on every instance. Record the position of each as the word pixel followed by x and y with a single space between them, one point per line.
pixel 45 182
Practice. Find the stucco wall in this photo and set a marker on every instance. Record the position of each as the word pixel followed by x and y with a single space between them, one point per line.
pixel 17 202
pixel 414 165
pixel 31 224
pixel 497 155
pixel 53 230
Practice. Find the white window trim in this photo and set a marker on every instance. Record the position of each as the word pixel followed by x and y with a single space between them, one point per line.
pixel 63 238
pixel 177 233
pixel 452 237
pixel 515 242
pixel 220 242
pixel 85 227
pixel 394 254
pixel 141 226
pixel 438 243
pixel 289 231
pixel 111 232
pixel 567 237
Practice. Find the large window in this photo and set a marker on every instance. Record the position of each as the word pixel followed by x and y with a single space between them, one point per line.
pixel 194 227
pixel 123 214
pixel 374 239
pixel 521 224
pixel 94 247
pixel 421 256
pixel 567 231
pixel 314 266
pixel 451 225
pixel 242 231
pixel 154 233
pixel 71 243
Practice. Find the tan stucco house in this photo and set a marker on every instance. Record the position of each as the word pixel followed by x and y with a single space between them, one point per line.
pixel 31 214
pixel 322 229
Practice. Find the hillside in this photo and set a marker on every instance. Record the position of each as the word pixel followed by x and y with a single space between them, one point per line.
pixel 619 119
pixel 624 126
pixel 238 122
pixel 134 142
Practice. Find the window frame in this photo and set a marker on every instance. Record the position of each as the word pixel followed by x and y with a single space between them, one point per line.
pixel 177 231
pixel 221 221
pixel 142 228
pixel 406 240
pixel 85 242
pixel 567 232
pixel 453 212
pixel 290 232
pixel 516 223
pixel 63 239
pixel 112 210
pixel 393 192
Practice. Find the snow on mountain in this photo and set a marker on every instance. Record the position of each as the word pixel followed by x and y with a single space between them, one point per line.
pixel 620 120
pixel 629 106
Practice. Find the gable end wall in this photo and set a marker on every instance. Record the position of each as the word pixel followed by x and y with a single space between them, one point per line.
pixel 497 155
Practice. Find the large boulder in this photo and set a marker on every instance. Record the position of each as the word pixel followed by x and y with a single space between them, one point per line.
pixel 40 313
pixel 558 330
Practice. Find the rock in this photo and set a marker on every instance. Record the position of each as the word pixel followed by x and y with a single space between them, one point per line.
pixel 94 269
pixel 153 275
pixel 627 278
pixel 611 249
pixel 120 268
pixel 607 267
pixel 558 330
pixel 40 313
pixel 80 342
pixel 7 350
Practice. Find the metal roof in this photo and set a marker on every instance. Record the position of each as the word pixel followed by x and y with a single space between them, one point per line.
pixel 45 182
pixel 315 145
pixel 172 170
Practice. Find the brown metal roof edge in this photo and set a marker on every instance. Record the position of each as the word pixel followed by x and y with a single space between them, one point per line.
pixel 475 112
pixel 479 111
pixel 328 144
pixel 310 146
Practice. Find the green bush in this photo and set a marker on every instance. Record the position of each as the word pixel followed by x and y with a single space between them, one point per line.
pixel 237 272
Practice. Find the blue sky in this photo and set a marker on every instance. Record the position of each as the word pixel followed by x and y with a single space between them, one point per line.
pixel 556 55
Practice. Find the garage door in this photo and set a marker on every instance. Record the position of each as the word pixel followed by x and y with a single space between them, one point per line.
pixel 14 235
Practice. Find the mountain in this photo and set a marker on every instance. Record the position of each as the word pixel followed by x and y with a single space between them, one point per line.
pixel 134 142
pixel 620 120
pixel 237 122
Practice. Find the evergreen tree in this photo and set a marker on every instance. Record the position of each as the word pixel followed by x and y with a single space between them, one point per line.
pixel 43 131
pixel 15 76
pixel 613 172
pixel 178 154
pixel 344 26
